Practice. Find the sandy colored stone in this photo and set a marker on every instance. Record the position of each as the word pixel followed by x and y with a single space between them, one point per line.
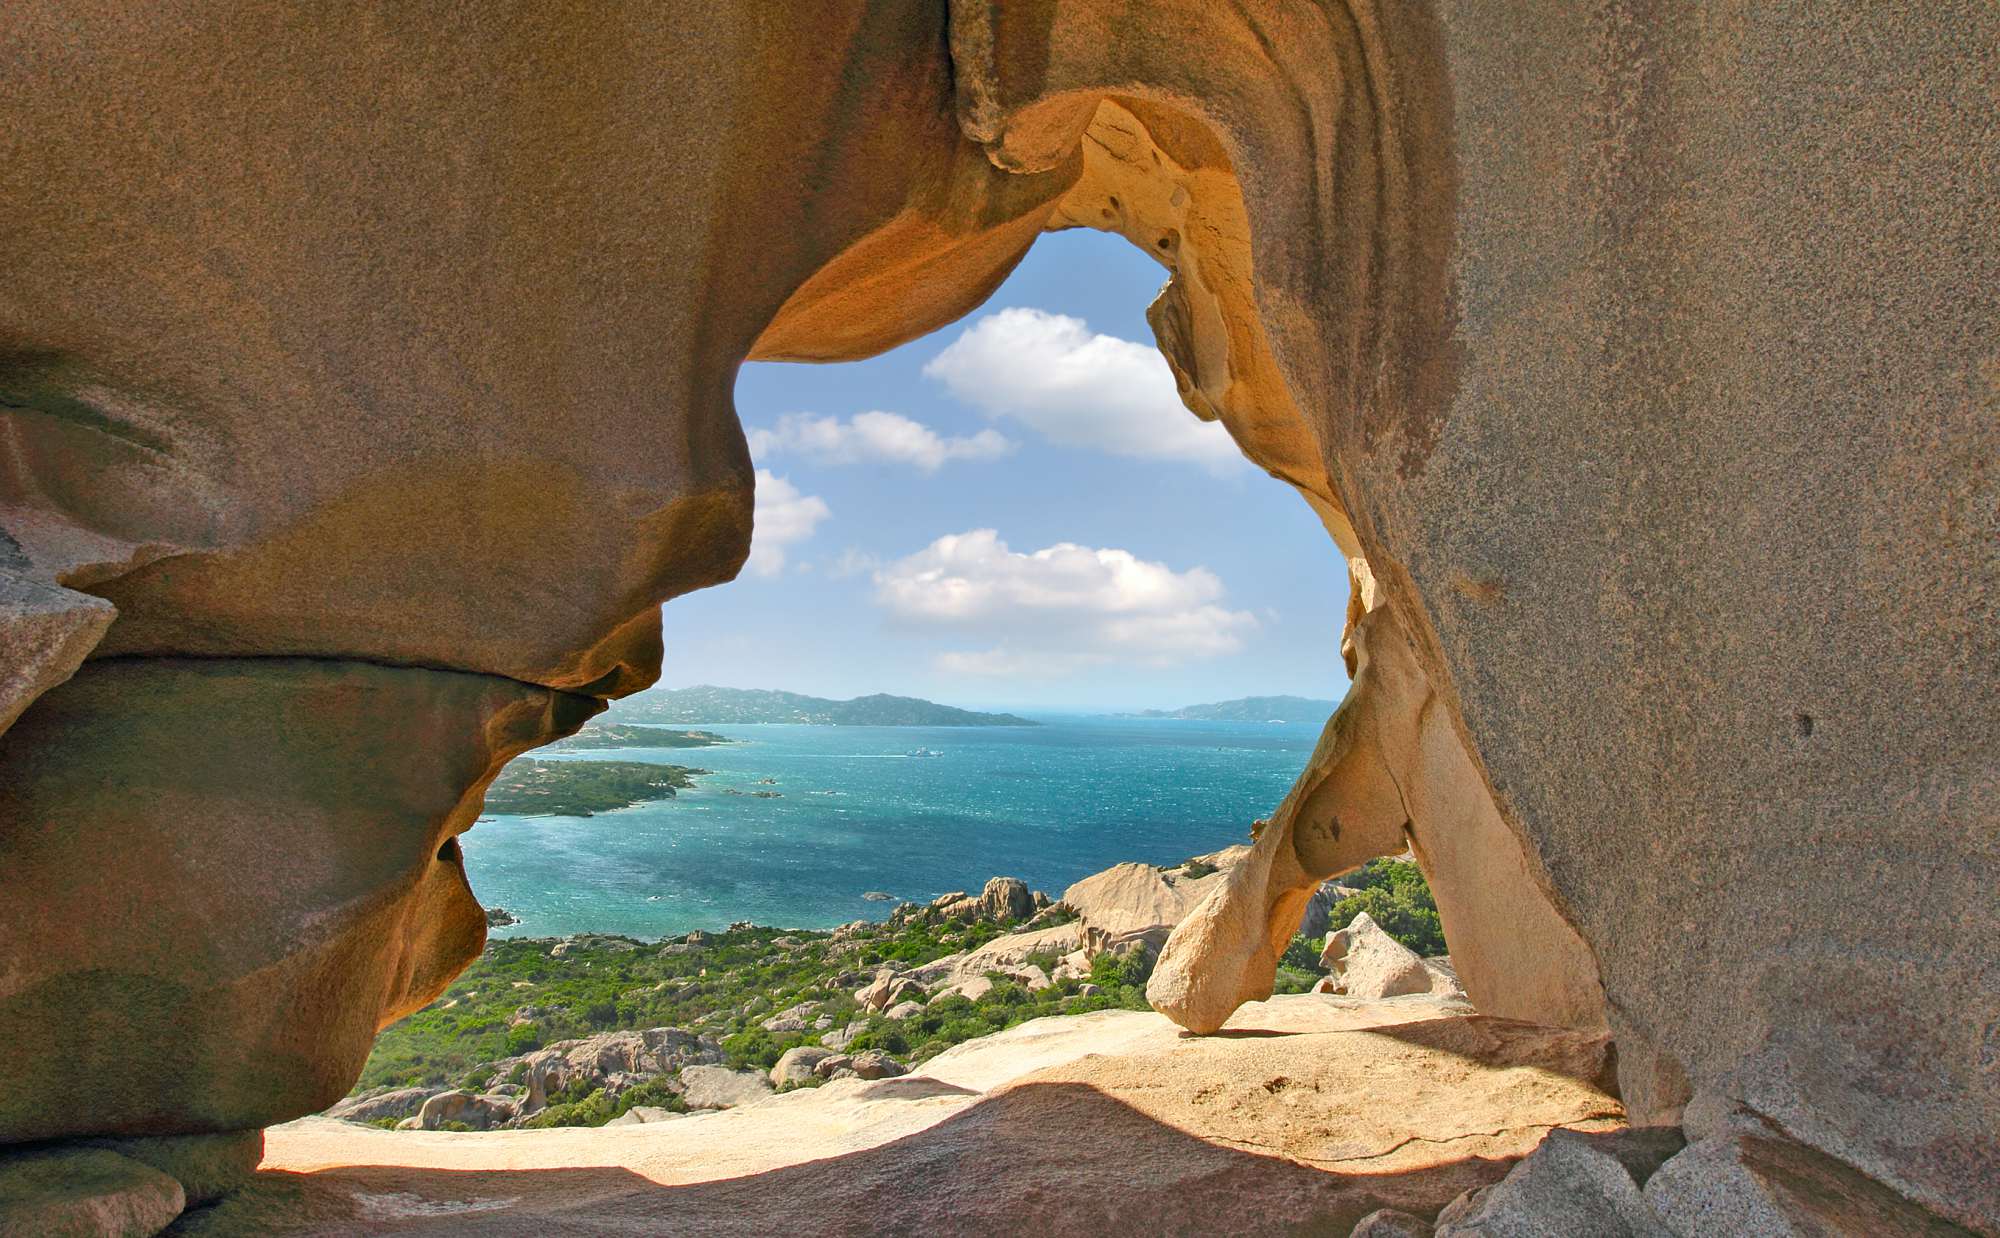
pixel 1572 1183
pixel 1639 361
pixel 719 1087
pixel 84 1193
pixel 1306 1120
pixel 1370 964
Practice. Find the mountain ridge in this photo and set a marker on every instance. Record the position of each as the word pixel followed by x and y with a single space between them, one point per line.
pixel 1249 709
pixel 709 703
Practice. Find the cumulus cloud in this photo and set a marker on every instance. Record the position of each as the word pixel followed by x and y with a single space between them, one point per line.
pixel 873 436
pixel 1078 388
pixel 1059 608
pixel 783 516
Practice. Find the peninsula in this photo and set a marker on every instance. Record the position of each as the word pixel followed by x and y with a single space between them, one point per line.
pixel 531 787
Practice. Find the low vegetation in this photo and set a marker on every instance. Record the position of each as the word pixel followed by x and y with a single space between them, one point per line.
pixel 525 993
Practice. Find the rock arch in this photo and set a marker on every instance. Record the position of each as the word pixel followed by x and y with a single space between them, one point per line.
pixel 382 362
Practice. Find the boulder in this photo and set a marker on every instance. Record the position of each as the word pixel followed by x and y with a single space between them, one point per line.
pixel 1015 949
pixel 1371 964
pixel 480 1112
pixel 798 1064
pixel 1572 1183
pixel 85 1192
pixel 903 1010
pixel 1139 900
pixel 875 994
pixel 838 1038
pixel 1006 898
pixel 382 1103
pixel 828 1066
pixel 1031 976
pixel 875 1064
pixel 719 1087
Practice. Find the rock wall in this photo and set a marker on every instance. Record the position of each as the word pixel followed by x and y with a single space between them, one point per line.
pixel 1641 356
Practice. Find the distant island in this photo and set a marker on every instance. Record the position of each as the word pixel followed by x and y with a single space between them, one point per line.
pixel 706 703
pixel 595 735
pixel 1250 709
pixel 534 788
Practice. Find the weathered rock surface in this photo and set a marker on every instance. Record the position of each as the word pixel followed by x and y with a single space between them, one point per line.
pixel 609 1060
pixel 207 1166
pixel 1573 1183
pixel 719 1087
pixel 798 1064
pixel 461 1108
pixel 330 889
pixel 391 1103
pixel 84 1193
pixel 1327 1110
pixel 1369 963
pixel 1763 1186
pixel 45 631
pixel 1639 360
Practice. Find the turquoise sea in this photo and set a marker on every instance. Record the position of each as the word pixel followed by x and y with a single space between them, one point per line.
pixel 860 809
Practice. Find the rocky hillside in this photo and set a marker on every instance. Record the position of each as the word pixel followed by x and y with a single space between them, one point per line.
pixel 593 1029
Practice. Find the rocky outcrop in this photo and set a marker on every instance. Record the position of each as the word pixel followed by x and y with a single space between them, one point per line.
pixel 1572 1184
pixel 387 1103
pixel 612 1060
pixel 798 1064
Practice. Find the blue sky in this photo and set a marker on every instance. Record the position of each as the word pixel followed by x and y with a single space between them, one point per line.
pixel 1015 511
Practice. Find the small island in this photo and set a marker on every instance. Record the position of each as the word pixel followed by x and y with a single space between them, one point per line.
pixel 596 735
pixel 535 788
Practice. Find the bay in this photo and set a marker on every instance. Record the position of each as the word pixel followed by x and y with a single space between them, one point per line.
pixel 861 809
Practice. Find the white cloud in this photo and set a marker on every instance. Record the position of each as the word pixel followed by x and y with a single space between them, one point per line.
pixel 1060 608
pixel 783 516
pixel 1081 389
pixel 889 437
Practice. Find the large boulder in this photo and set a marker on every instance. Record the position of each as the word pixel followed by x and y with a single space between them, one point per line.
pixel 1006 898
pixel 462 1108
pixel 385 1103
pixel 719 1087
pixel 610 1060
pixel 798 1064
pixel 1573 1183
pixel 1369 963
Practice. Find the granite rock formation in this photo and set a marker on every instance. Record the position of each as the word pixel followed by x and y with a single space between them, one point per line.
pixel 1638 356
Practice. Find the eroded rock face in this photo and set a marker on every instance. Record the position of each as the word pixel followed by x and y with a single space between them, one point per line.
pixel 1384 775
pixel 224 876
